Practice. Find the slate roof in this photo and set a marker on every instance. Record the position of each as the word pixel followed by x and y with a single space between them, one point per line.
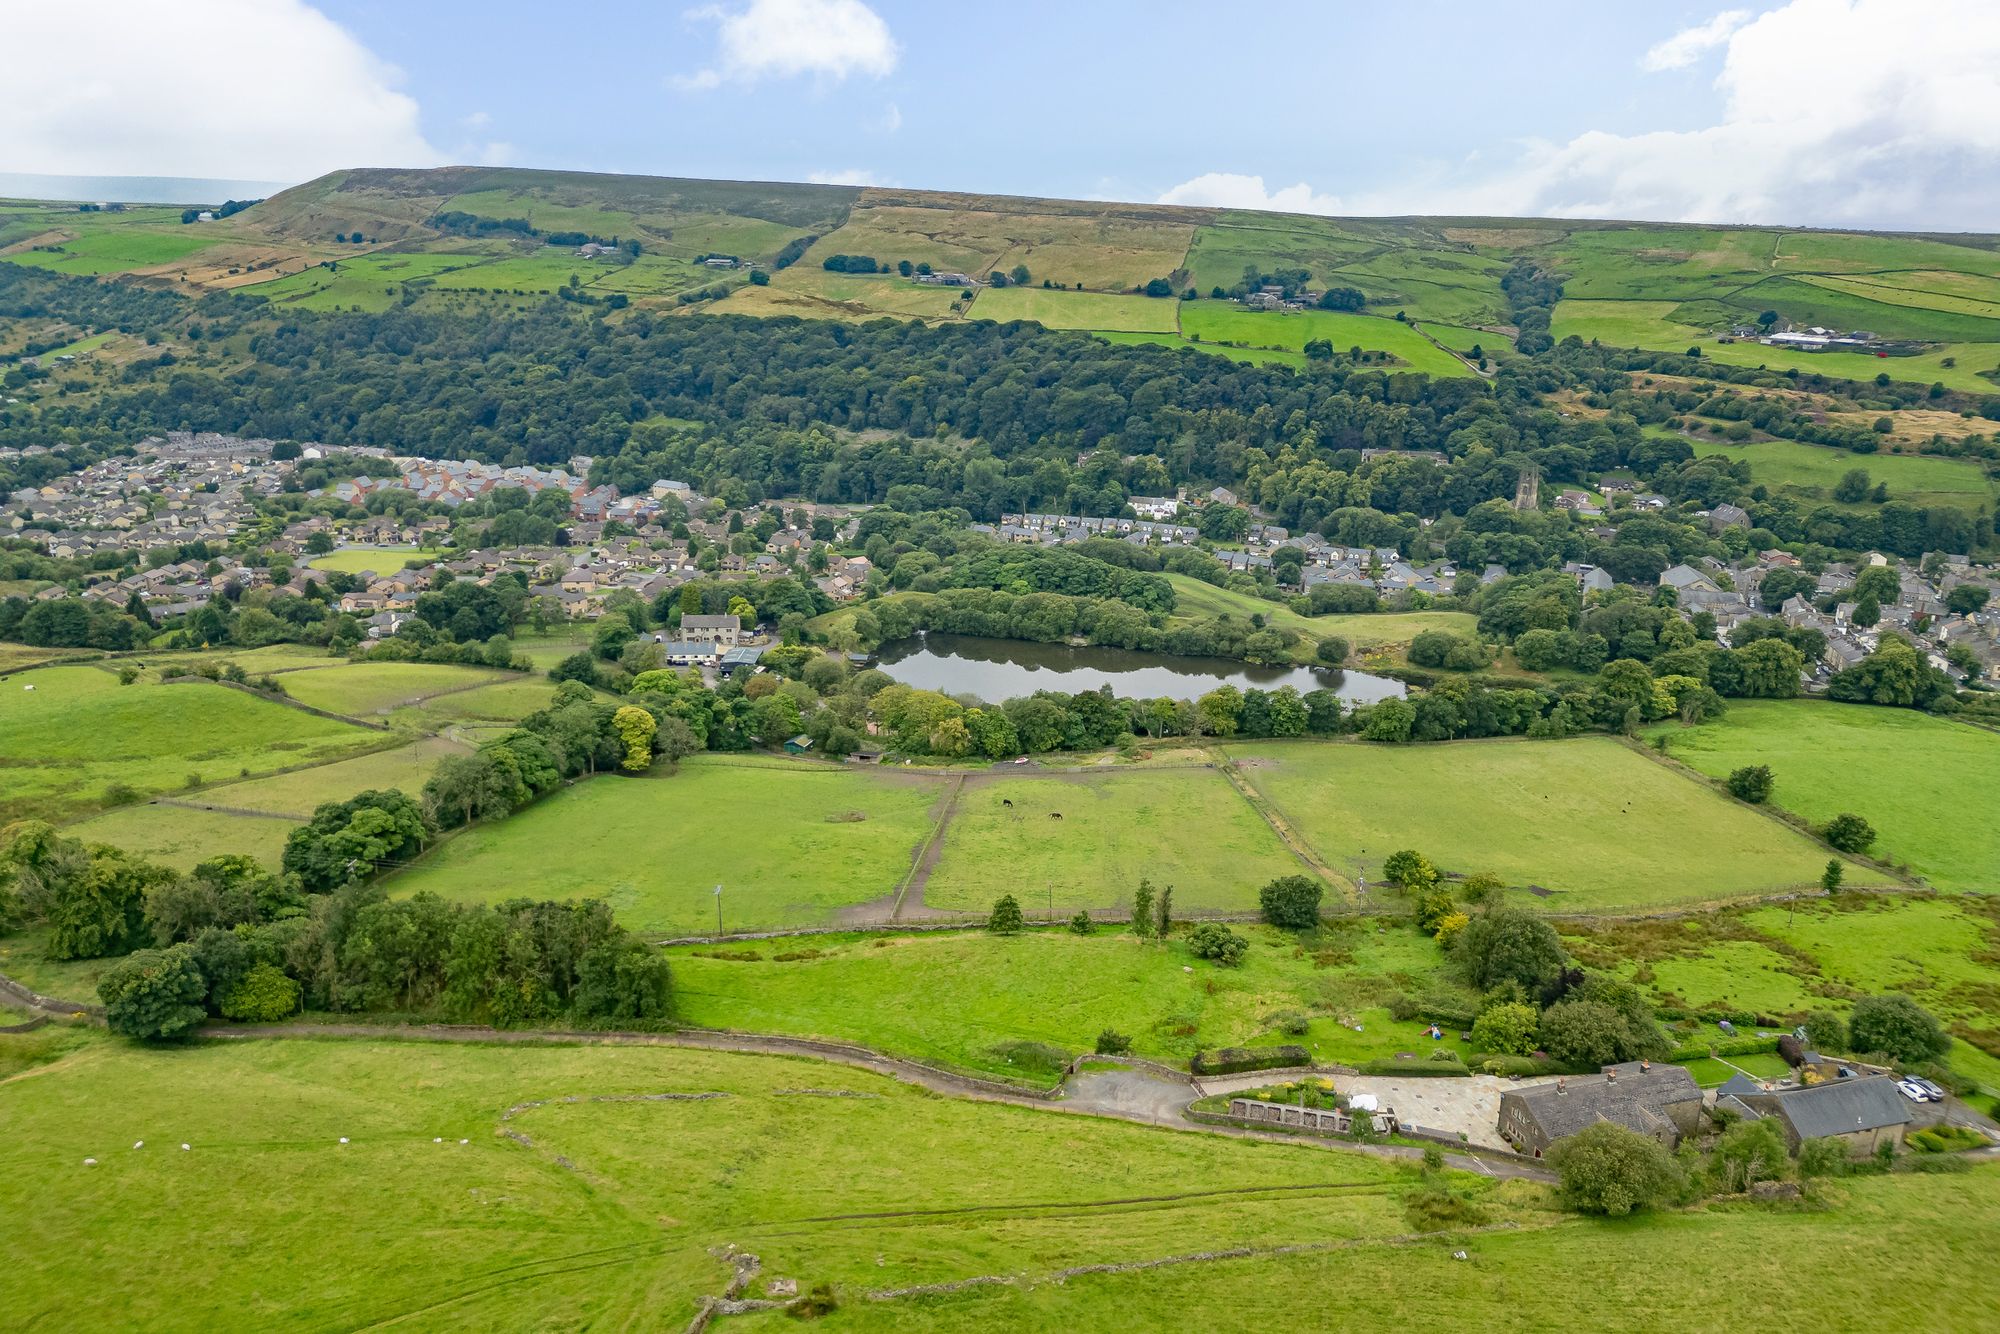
pixel 1634 1099
pixel 1842 1106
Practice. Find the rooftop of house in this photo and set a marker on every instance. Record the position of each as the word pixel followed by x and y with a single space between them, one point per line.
pixel 1630 1094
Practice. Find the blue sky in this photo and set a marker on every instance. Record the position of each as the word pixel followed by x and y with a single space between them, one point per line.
pixel 1832 112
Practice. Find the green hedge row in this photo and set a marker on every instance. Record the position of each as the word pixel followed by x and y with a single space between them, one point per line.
pixel 1237 1060
pixel 1389 1065
pixel 1695 1051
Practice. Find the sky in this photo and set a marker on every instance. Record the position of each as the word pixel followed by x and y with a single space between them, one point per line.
pixel 1850 113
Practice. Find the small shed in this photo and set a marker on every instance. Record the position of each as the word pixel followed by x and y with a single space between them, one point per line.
pixel 798 745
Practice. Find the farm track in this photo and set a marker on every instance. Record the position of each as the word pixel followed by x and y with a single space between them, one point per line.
pixel 1282 828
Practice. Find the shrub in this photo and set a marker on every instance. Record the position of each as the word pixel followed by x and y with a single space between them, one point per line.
pixel 816 1302
pixel 1442 1065
pixel 154 994
pixel 1896 1026
pixel 1402 1008
pixel 264 996
pixel 1236 1060
pixel 1823 1158
pixel 1507 1030
pixel 1081 924
pixel 1606 1169
pixel 1848 832
pixel 1506 943
pixel 1212 940
pixel 1291 901
pixel 1826 1030
pixel 1292 1023
pixel 1113 1043
pixel 1332 650
pixel 1519 1067
pixel 1946 1138
pixel 1751 783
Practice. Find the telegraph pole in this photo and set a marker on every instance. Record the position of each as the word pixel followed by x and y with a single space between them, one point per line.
pixel 718 910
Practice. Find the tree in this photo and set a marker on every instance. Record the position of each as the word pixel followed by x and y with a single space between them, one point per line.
pixel 1966 599
pixel 675 740
pixel 1848 833
pixel 1827 1157
pixel 1291 901
pixel 1005 919
pixel 1751 783
pixel 1019 275
pixel 1606 1169
pixel 1583 1033
pixel 1504 944
pixel 1898 1027
pixel 265 995
pixel 1213 940
pixel 1826 1030
pixel 1829 879
pixel 1159 287
pixel 1142 908
pixel 1164 914
pixel 1749 1152
pixel 1410 869
pixel 1510 1029
pixel 1852 488
pixel 154 994
pixel 1081 925
pixel 1342 298
pixel 1331 650
pixel 635 728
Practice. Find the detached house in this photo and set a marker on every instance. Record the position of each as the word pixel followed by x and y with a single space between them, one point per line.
pixel 1660 1101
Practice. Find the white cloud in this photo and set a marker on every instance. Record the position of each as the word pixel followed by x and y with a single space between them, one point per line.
pixel 1222 189
pixel 829 39
pixel 847 176
pixel 477 120
pixel 892 119
pixel 1847 113
pixel 259 89
pixel 1690 44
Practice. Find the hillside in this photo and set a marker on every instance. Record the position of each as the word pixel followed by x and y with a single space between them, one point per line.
pixel 1431 287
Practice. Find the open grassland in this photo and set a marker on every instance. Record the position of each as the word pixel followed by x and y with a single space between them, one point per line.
pixel 1925 783
pixel 507 700
pixel 1226 322
pixel 790 844
pixel 1084 841
pixel 1365 632
pixel 970 1000
pixel 814 293
pixel 356 560
pixel 94 250
pixel 1812 471
pixel 270 658
pixel 370 281
pixel 1254 356
pixel 297 793
pixel 1588 821
pixel 554 1187
pixel 361 688
pixel 27 655
pixel 1077 310
pixel 78 731
pixel 180 836
pixel 1848 1256
pixel 1105 250
pixel 1650 324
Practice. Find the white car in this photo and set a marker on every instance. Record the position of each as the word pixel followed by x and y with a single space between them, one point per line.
pixel 1911 1091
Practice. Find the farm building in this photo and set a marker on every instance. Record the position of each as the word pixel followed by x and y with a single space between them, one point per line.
pixel 713 629
pixel 1657 1100
pixel 1864 1113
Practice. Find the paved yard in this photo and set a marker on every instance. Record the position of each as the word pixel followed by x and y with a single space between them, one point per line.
pixel 1469 1106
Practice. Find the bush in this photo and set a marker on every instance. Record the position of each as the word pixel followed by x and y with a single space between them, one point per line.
pixel 154 994
pixel 266 995
pixel 1332 650
pixel 1212 940
pixel 1696 1051
pixel 1848 833
pixel 1080 924
pixel 1946 1138
pixel 1751 783
pixel 1113 1043
pixel 1291 901
pixel 1442 1065
pixel 1509 944
pixel 1237 1060
pixel 1898 1027
pixel 1402 1008
pixel 1606 1169
pixel 1292 1023
pixel 1826 1030
pixel 1517 1067
pixel 1507 1030
pixel 1823 1158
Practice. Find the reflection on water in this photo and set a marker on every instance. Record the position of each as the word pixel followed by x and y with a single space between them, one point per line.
pixel 1000 669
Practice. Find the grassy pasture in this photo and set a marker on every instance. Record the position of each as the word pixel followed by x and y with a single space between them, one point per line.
pixel 1597 825
pixel 1918 290
pixel 1184 827
pixel 858 294
pixel 613 1206
pixel 1077 310
pixel 1365 632
pixel 179 837
pixel 1905 772
pixel 78 731
pixel 95 251
pixel 1220 321
pixel 1255 356
pixel 297 793
pixel 355 560
pixel 1814 470
pixel 1103 253
pixel 963 998
pixel 362 688
pixel 781 839
pixel 508 699
pixel 1804 300
pixel 372 281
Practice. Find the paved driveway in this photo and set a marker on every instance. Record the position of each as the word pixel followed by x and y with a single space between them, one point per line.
pixel 1452 1106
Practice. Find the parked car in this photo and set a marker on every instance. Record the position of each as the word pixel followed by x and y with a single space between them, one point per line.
pixel 1932 1091
pixel 1911 1091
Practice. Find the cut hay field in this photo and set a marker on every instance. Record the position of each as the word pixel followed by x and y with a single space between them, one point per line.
pixel 814 293
pixel 1100 311
pixel 962 234
pixel 970 1000
pixel 1598 826
pixel 1224 321
pixel 783 840
pixel 1182 827
pixel 78 731
pixel 489 1186
pixel 365 688
pixel 1901 770
pixel 1812 471
pixel 374 560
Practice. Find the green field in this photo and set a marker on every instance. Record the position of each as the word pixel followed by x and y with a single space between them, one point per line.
pixel 77 731
pixel 1057 309
pixel 814 293
pixel 1591 822
pixel 363 688
pixel 484 1187
pixel 371 281
pixel 180 837
pixel 1183 827
pixel 781 838
pixel 1255 356
pixel 1223 321
pixel 355 560
pixel 1899 769
pixel 102 250
pixel 1400 266
pixel 964 999
pixel 1813 471
pixel 1649 324
pixel 297 793
pixel 1365 632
